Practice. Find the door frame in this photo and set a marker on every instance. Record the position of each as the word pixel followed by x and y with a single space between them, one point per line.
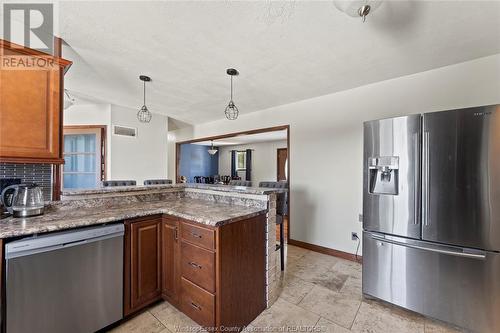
pixel 102 129
pixel 234 134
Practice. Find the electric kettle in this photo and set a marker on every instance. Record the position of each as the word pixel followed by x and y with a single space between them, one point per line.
pixel 23 200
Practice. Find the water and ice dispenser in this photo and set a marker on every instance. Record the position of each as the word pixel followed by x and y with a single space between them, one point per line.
pixel 383 174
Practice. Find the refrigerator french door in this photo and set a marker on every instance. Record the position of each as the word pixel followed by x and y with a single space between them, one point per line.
pixel 391 187
pixel 461 173
pixel 431 211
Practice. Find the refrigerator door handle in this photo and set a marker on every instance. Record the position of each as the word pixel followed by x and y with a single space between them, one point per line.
pixel 477 255
pixel 416 186
pixel 425 183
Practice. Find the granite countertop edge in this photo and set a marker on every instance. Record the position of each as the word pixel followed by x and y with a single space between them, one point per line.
pixel 155 188
pixel 59 221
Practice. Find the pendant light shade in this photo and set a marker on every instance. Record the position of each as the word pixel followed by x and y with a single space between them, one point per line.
pixel 357 8
pixel 212 151
pixel 68 100
pixel 144 115
pixel 231 111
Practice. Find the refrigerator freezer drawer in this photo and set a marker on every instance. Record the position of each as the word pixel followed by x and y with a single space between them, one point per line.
pixel 455 285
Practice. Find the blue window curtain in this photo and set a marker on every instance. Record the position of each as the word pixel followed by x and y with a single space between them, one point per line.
pixel 248 174
pixel 233 163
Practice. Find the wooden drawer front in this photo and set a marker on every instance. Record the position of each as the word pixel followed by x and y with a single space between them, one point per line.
pixel 198 266
pixel 198 304
pixel 200 236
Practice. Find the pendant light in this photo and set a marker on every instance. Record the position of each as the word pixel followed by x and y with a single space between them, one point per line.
pixel 68 100
pixel 231 109
pixel 357 8
pixel 144 115
pixel 212 151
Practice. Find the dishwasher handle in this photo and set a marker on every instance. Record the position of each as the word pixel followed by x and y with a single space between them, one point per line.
pixel 56 241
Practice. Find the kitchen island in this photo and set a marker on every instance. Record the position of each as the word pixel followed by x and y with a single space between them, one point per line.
pixel 204 249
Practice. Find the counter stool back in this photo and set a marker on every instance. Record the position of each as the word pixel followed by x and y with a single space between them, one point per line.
pixel 157 181
pixel 109 183
pixel 281 212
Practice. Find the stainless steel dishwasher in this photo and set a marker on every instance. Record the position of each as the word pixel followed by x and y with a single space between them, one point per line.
pixel 65 282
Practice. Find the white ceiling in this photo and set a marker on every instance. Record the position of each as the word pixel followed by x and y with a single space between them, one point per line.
pixel 285 51
pixel 247 139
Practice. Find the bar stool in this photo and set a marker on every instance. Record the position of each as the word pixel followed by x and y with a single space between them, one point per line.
pixel 281 212
pixel 110 183
pixel 157 181
pixel 235 182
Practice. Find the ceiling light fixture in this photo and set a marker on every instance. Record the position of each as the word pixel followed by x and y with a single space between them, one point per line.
pixel 231 109
pixel 144 115
pixel 212 151
pixel 357 8
pixel 68 100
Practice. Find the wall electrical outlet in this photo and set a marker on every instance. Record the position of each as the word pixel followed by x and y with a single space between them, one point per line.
pixel 360 217
pixel 354 236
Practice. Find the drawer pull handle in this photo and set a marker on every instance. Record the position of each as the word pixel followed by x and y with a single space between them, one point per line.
pixel 195 235
pixel 195 265
pixel 196 306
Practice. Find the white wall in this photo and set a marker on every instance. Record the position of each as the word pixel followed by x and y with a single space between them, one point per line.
pixel 143 157
pixel 140 158
pixel 264 160
pixel 326 140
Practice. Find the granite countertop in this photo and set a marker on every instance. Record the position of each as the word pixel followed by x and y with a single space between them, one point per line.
pixel 201 211
pixel 142 188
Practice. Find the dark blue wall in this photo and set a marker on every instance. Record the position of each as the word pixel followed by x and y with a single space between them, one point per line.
pixel 196 161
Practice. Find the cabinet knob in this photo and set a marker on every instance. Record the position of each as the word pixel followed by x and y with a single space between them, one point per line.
pixel 195 235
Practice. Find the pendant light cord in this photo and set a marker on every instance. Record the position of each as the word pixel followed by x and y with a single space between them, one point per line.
pixel 144 92
pixel 231 87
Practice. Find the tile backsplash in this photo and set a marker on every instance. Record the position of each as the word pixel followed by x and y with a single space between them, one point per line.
pixel 30 173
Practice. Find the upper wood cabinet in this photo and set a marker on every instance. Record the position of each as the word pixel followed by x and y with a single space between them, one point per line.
pixel 31 94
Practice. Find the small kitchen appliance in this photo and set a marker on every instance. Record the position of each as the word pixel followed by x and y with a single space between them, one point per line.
pixel 23 200
pixel 5 182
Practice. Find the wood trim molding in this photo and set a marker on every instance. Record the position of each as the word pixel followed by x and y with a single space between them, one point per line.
pixel 5 44
pixel 232 135
pixel 326 250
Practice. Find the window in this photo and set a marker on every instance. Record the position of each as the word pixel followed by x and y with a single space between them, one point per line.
pixel 241 161
pixel 83 160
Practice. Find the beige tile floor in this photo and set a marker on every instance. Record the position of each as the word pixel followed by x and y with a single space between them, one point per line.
pixel 319 293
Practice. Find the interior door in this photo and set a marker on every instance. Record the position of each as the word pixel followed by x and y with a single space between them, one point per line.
pixel 461 197
pixel 282 163
pixel 391 176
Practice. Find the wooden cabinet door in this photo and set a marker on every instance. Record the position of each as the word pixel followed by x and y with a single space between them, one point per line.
pixel 30 106
pixel 170 259
pixel 144 262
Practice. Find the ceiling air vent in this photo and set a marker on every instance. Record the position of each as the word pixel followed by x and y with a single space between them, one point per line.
pixel 124 131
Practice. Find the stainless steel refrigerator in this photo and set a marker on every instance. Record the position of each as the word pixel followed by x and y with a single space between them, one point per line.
pixel 431 214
